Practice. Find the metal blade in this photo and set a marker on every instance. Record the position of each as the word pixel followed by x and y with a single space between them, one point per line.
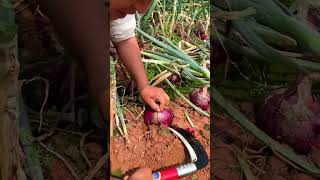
pixel 191 151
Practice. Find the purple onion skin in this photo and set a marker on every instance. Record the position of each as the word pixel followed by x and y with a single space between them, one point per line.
pixel 191 131
pixel 201 98
pixel 204 37
pixel 164 117
pixel 290 119
pixel 174 78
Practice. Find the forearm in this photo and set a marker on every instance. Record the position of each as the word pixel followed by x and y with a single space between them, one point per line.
pixel 129 54
pixel 83 27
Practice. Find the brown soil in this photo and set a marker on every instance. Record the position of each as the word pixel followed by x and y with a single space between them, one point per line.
pixel 155 147
pixel 57 170
pixel 231 142
pixel 68 147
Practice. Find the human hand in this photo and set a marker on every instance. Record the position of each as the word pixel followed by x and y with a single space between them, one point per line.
pixel 152 94
pixel 141 174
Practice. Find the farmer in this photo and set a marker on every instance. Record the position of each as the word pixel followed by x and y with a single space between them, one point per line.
pixel 123 37
pixel 83 26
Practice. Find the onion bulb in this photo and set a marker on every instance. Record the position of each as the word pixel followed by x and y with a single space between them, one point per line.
pixel 201 98
pixel 191 131
pixel 174 78
pixel 164 117
pixel 204 37
pixel 292 115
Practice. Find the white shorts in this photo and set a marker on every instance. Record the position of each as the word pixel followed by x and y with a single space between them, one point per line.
pixel 123 29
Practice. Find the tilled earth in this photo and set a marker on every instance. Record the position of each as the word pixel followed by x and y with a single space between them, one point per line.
pixel 155 147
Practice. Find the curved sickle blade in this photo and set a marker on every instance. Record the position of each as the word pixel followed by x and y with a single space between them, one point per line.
pixel 191 151
pixel 197 153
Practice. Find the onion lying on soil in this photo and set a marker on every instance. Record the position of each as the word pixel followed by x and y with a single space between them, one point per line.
pixel 293 116
pixel 164 117
pixel 191 131
pixel 201 98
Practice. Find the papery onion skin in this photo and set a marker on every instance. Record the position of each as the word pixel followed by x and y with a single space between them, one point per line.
pixel 201 98
pixel 164 117
pixel 292 119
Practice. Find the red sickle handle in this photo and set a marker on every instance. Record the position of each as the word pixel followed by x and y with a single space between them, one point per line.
pixel 168 174
pixel 175 173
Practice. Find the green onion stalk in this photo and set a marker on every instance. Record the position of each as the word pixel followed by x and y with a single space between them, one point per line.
pixel 254 56
pixel 270 14
pixel 186 71
pixel 179 54
pixel 198 109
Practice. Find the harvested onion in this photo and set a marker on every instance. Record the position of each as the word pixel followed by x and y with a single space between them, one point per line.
pixel 293 116
pixel 201 98
pixel 164 117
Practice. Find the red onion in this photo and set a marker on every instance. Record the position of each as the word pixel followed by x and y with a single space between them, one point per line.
pixel 313 19
pixel 174 78
pixel 201 98
pixel 204 37
pixel 199 31
pixel 191 131
pixel 164 117
pixel 293 116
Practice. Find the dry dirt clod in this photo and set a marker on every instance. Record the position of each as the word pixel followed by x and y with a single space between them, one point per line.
pixel 57 171
pixel 276 165
pixel 94 151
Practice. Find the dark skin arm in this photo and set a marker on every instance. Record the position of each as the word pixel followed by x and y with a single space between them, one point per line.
pixel 129 53
pixel 83 27
pixel 141 174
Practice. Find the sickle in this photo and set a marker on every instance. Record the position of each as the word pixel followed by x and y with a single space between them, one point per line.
pixel 198 155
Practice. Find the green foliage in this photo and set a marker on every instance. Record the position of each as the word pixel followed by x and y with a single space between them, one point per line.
pixel 175 23
pixel 152 71
pixel 176 38
pixel 175 20
pixel 117 173
pixel 7 21
pixel 167 16
pixel 186 87
pixel 45 156
pixel 288 3
pixel 195 177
